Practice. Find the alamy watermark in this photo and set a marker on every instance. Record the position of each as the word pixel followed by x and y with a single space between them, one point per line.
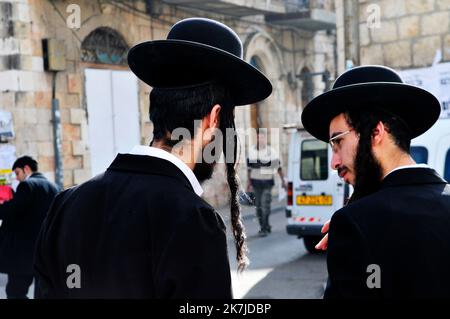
pixel 73 20
pixel 244 137
pixel 374 279
pixel 374 16
pixel 74 278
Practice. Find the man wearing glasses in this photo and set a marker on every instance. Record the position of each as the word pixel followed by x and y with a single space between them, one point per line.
pixel 392 239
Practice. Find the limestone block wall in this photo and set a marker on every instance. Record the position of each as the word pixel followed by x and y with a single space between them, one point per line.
pixel 410 32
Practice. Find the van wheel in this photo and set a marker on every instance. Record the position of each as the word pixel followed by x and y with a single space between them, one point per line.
pixel 311 242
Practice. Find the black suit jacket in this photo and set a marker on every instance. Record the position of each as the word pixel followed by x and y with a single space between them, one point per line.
pixel 404 228
pixel 21 220
pixel 136 231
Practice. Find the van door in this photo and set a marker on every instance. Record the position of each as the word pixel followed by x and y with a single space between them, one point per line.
pixel 442 164
pixel 419 154
pixel 447 167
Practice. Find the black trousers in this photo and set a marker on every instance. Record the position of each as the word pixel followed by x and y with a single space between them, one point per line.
pixel 18 285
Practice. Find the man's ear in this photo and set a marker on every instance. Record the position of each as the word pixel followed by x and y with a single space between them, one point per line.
pixel 26 169
pixel 379 133
pixel 213 117
pixel 210 123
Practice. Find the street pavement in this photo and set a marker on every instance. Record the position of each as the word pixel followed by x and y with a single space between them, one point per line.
pixel 280 267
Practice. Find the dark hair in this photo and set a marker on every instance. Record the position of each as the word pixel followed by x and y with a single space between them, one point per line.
pixel 173 108
pixel 178 108
pixel 367 168
pixel 365 121
pixel 23 161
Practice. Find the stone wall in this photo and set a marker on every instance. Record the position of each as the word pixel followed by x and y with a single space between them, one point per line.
pixel 410 33
pixel 25 88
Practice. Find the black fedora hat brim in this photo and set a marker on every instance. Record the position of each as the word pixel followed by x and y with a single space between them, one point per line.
pixel 179 63
pixel 418 108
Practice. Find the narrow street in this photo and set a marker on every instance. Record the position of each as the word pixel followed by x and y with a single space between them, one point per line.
pixel 280 266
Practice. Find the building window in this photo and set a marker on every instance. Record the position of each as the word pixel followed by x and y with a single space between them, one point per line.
pixel 419 154
pixel 104 46
pixel 314 160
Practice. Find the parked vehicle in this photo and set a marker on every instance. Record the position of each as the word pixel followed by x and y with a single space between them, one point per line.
pixel 315 191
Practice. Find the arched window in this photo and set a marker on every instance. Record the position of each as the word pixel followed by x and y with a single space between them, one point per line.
pixel 105 46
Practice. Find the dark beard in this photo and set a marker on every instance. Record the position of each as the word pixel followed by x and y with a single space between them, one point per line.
pixel 368 171
pixel 203 171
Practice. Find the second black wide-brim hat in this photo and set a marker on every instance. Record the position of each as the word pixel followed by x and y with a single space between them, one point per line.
pixel 372 87
pixel 196 51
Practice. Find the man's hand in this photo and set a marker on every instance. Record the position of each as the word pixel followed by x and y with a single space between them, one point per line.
pixel 323 244
pixel 249 188
pixel 284 185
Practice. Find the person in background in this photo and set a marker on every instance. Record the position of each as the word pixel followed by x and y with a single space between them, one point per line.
pixel 263 163
pixel 21 218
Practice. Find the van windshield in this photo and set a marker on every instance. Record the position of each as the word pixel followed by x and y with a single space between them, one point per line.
pixel 314 160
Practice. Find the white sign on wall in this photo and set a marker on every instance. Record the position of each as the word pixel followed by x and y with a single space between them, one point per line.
pixel 435 79
pixel 6 124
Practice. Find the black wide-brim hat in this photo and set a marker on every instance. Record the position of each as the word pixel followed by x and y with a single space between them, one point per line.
pixel 372 87
pixel 197 51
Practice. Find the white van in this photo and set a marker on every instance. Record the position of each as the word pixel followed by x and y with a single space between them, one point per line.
pixel 315 191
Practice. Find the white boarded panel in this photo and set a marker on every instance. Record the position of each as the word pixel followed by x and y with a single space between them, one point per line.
pixel 101 130
pixel 125 111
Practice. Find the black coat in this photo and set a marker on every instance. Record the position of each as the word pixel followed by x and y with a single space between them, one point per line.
pixel 136 231
pixel 404 228
pixel 22 218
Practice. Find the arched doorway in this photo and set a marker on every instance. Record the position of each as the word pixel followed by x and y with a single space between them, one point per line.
pixel 256 116
pixel 111 93
pixel 262 52
pixel 307 86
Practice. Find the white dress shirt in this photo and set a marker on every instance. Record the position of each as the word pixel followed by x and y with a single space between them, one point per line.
pixel 160 153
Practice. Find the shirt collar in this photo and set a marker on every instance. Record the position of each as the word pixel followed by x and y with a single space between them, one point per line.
pixel 162 154
pixel 407 166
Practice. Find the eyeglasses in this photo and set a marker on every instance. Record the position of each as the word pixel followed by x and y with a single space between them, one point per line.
pixel 335 140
